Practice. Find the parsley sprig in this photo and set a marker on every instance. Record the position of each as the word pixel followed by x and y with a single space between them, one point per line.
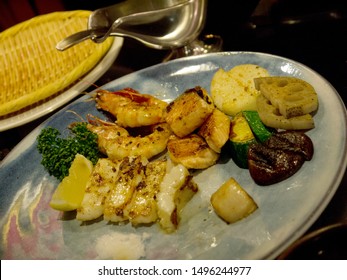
pixel 58 153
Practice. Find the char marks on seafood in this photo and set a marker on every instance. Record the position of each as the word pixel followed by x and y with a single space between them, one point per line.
pixel 215 130
pixel 130 175
pixel 176 189
pixel 99 185
pixel 189 111
pixel 138 191
pixel 142 208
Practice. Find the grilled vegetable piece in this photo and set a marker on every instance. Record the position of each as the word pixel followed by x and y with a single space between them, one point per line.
pixel 142 208
pixel 270 116
pixel 233 91
pixel 286 102
pixel 189 111
pixel 269 166
pixel 241 137
pixel 260 131
pixel 176 189
pixel 191 151
pixel 215 130
pixel 291 96
pixel 292 141
pixel 131 173
pixel 231 202
pixel 279 157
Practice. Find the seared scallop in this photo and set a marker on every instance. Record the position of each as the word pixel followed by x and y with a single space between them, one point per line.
pixel 192 151
pixel 189 111
pixel 215 130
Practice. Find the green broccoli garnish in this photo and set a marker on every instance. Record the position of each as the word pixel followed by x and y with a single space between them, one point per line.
pixel 58 153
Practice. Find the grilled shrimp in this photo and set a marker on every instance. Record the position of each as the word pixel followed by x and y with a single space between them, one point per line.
pixel 106 132
pixel 117 143
pixel 131 108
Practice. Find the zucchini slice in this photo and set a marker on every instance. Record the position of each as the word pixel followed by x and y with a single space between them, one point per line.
pixel 240 137
pixel 261 132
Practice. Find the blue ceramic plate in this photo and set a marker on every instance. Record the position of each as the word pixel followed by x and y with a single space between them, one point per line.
pixel 30 229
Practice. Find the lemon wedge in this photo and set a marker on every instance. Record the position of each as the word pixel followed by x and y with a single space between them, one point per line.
pixel 69 194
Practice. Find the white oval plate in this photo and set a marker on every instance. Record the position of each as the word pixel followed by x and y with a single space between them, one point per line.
pixel 32 230
pixel 47 106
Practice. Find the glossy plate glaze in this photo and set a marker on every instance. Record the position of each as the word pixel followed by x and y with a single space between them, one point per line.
pixel 31 230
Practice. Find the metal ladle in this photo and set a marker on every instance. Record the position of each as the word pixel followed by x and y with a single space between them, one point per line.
pixel 159 24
